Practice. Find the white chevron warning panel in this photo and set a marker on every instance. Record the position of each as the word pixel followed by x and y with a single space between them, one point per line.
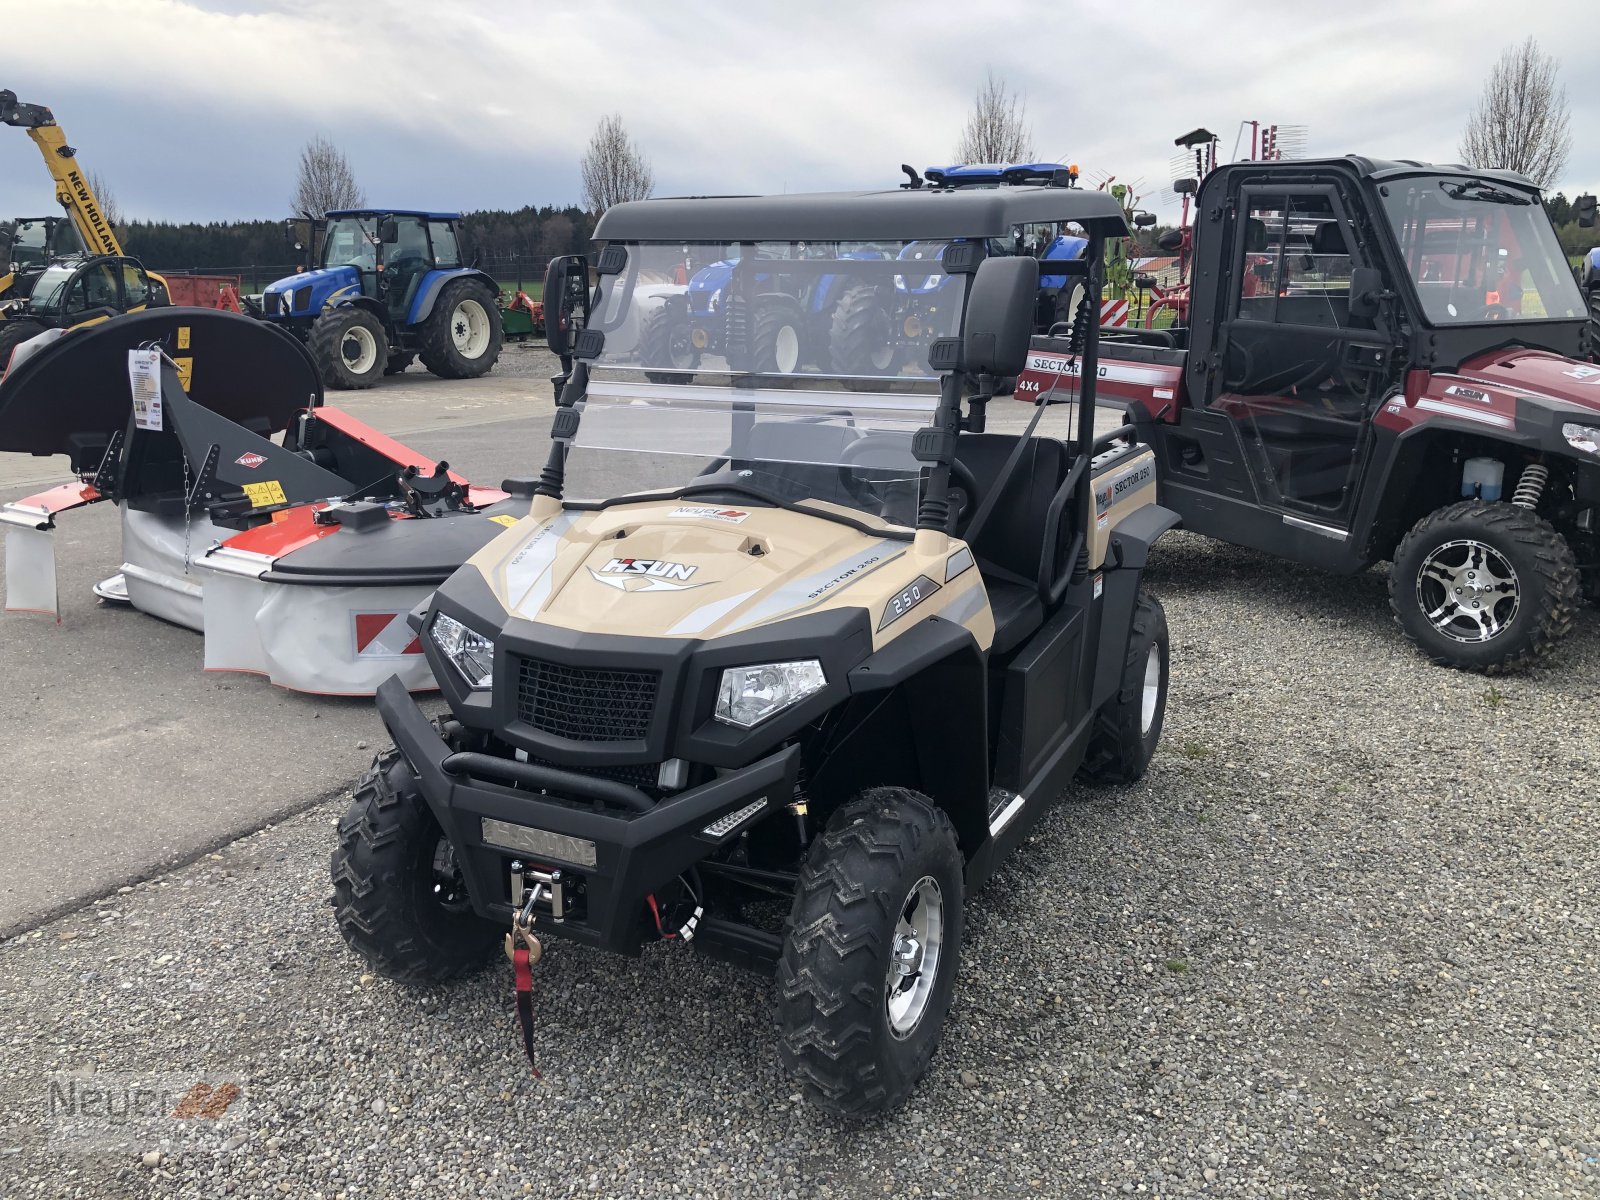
pixel 384 635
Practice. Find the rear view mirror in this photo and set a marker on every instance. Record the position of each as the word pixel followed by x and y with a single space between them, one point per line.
pixel 1584 208
pixel 566 302
pixel 1185 187
pixel 1366 290
pixel 1000 315
pixel 389 232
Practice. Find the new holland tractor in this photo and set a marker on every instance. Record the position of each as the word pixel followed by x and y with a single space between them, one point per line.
pixel 389 287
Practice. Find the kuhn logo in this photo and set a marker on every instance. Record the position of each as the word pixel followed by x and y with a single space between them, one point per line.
pixel 250 460
pixel 645 575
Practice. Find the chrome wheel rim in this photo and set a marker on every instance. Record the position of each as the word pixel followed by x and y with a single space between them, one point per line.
pixel 1152 689
pixel 915 954
pixel 469 329
pixel 1468 591
pixel 359 349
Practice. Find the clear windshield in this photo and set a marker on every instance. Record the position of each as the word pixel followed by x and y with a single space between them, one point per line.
pixel 1478 250
pixel 47 292
pixel 351 242
pixel 32 248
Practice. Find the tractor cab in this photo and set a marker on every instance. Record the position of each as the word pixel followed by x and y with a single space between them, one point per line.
pixel 31 243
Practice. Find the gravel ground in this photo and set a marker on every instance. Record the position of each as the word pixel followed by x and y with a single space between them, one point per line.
pixel 1341 941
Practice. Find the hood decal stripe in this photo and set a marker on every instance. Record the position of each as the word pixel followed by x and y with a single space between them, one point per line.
pixel 708 614
pixel 802 594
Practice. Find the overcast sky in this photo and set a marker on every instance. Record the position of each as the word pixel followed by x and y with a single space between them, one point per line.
pixel 196 109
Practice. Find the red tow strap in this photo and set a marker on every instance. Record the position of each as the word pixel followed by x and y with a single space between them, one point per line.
pixel 523 967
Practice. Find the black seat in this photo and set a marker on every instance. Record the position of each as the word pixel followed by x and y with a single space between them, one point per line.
pixel 1010 545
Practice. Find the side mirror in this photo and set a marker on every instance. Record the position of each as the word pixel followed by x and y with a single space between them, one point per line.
pixel 566 302
pixel 389 232
pixel 1186 187
pixel 1000 315
pixel 1584 208
pixel 1366 291
pixel 1143 220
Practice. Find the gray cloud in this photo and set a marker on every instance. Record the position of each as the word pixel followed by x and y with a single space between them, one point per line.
pixel 195 109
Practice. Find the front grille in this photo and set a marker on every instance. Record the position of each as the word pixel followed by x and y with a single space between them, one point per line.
pixel 582 704
pixel 272 304
pixel 639 775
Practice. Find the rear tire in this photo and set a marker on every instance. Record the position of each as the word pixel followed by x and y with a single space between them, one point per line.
pixel 664 343
pixel 1128 729
pixel 12 334
pixel 1484 587
pixel 461 338
pixel 861 340
pixel 350 347
pixel 397 898
pixel 870 952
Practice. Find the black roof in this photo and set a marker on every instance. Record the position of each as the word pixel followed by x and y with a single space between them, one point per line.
pixel 898 215
pixel 1380 169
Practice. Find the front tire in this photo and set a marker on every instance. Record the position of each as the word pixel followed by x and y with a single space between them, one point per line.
pixel 870 952
pixel 461 338
pixel 1484 587
pixel 779 337
pixel 350 347
pixel 12 334
pixel 861 340
pixel 398 897
pixel 664 344
pixel 1128 729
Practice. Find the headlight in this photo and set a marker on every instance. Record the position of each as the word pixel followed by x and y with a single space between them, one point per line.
pixel 749 695
pixel 1582 437
pixel 468 651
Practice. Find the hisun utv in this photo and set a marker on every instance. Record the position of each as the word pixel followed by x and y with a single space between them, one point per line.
pixel 820 655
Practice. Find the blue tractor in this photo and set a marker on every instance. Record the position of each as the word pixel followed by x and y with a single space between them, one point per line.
pixel 390 286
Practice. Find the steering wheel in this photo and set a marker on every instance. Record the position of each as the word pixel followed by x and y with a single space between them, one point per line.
pixel 1495 312
pixel 964 494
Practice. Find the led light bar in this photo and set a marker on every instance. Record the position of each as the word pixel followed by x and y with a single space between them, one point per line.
pixel 723 826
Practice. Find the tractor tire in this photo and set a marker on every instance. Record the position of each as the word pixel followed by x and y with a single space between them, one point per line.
pixel 870 952
pixel 398 898
pixel 350 347
pixel 461 338
pixel 12 334
pixel 779 337
pixel 1484 587
pixel 398 363
pixel 664 344
pixel 861 338
pixel 1128 729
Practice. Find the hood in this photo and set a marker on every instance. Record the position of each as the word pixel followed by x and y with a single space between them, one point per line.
pixel 338 276
pixel 1539 373
pixel 679 569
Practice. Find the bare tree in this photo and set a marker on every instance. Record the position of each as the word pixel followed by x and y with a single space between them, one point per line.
pixel 614 169
pixel 1520 122
pixel 109 208
pixel 996 132
pixel 326 181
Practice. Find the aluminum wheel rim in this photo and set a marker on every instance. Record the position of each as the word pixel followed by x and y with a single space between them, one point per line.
pixel 1152 689
pixel 786 349
pixel 359 349
pixel 916 953
pixel 469 329
pixel 881 357
pixel 1468 591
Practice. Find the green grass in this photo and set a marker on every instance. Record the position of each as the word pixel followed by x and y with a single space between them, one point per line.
pixel 534 288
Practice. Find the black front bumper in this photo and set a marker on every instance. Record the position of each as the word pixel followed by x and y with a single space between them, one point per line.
pixel 635 854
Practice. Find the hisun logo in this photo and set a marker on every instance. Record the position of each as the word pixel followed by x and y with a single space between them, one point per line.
pixel 645 575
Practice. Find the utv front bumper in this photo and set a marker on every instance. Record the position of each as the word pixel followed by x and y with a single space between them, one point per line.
pixel 610 859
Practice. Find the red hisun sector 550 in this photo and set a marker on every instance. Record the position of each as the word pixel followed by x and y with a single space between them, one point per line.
pixel 1384 361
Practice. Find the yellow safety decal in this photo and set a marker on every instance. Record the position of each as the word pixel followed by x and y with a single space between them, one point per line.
pixel 185 371
pixel 183 337
pixel 265 494
pixel 504 519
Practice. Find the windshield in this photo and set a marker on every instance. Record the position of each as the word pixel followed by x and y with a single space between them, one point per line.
pixel 32 248
pixel 351 242
pixel 46 297
pixel 1478 250
pixel 786 371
